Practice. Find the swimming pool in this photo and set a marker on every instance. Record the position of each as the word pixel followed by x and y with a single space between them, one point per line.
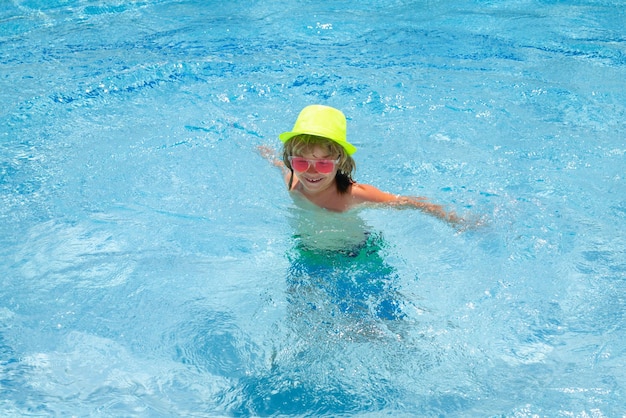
pixel 153 264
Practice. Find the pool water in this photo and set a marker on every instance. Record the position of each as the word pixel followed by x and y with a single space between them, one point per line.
pixel 153 263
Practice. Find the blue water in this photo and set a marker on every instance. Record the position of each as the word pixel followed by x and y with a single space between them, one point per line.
pixel 153 264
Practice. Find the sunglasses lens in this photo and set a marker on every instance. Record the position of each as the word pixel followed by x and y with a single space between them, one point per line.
pixel 324 166
pixel 299 164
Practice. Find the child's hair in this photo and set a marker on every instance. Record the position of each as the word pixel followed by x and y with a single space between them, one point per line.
pixel 300 144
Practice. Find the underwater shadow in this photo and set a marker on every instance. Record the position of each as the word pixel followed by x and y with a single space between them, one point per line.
pixel 331 350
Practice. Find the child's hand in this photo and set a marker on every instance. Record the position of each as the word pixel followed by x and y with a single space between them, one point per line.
pixel 266 152
pixel 471 223
pixel 269 154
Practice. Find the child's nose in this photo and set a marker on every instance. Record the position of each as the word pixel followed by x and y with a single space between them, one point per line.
pixel 311 168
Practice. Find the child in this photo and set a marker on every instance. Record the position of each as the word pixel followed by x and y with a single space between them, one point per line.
pixel 317 164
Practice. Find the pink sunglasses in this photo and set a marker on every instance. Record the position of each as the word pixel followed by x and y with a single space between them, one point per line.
pixel 322 166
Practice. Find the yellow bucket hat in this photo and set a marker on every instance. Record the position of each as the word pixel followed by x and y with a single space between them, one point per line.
pixel 324 121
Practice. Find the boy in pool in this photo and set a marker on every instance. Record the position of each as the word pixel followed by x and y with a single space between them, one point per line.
pixel 317 164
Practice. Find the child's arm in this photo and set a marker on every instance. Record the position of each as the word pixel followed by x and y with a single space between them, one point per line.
pixel 270 155
pixel 422 204
pixel 364 193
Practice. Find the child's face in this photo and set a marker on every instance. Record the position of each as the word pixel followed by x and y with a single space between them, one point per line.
pixel 312 180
